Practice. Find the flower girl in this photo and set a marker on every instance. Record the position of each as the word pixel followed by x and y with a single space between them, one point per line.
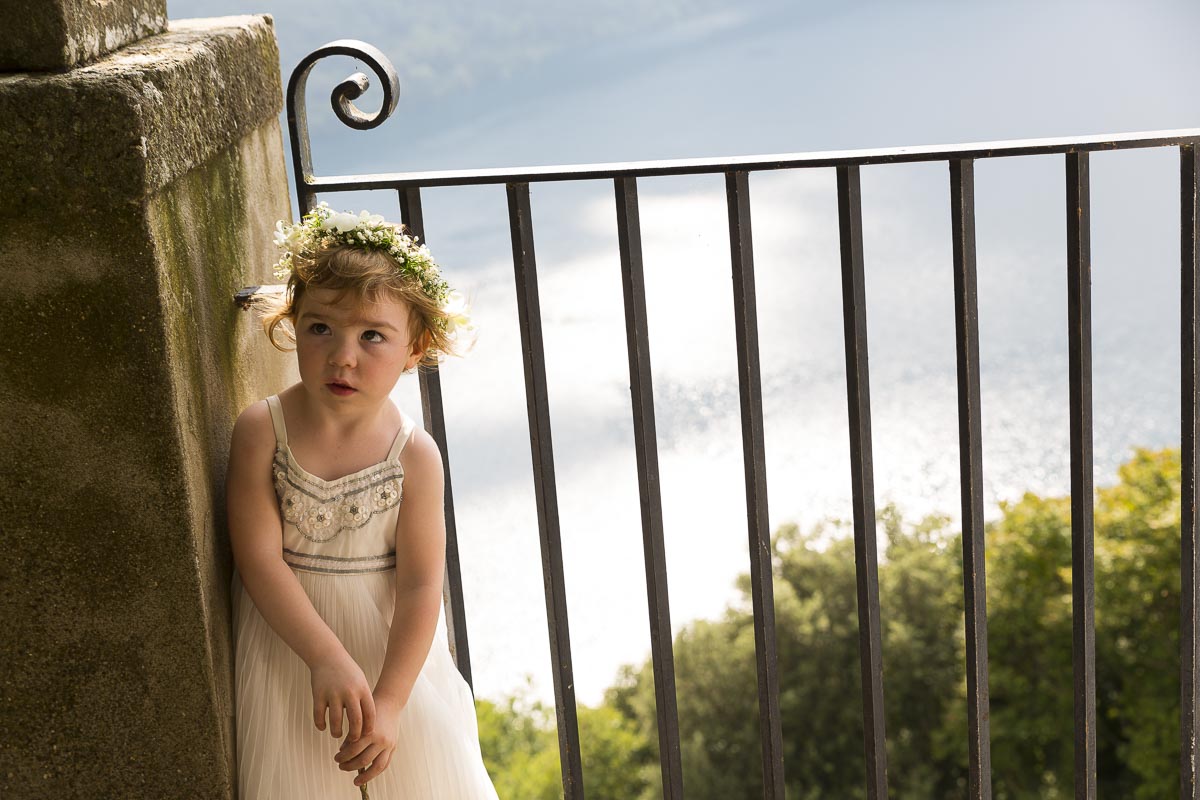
pixel 342 670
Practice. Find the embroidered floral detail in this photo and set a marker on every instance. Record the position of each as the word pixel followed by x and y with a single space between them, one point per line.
pixel 355 510
pixel 386 495
pixel 321 516
pixel 322 509
pixel 293 506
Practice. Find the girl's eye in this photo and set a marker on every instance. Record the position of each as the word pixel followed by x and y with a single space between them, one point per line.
pixel 317 327
pixel 375 333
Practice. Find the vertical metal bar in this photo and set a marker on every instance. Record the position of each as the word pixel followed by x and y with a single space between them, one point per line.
pixel 866 560
pixel 530 315
pixel 737 196
pixel 435 424
pixel 970 447
pixel 297 124
pixel 1083 579
pixel 1189 642
pixel 629 236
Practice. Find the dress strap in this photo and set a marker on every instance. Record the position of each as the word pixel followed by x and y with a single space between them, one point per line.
pixel 277 419
pixel 406 429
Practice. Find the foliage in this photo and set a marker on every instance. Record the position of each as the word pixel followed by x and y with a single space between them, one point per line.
pixel 820 688
pixel 519 740
pixel 1029 628
pixel 1137 637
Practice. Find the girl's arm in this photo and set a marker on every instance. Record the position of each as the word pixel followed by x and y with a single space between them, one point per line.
pixel 420 567
pixel 256 534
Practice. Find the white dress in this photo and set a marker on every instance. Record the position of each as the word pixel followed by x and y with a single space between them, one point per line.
pixel 339 539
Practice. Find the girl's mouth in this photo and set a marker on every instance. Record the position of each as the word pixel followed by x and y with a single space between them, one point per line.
pixel 340 389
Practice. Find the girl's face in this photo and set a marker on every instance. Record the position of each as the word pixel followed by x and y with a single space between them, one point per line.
pixel 351 355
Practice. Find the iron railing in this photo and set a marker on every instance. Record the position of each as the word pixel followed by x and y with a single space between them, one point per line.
pixel 960 160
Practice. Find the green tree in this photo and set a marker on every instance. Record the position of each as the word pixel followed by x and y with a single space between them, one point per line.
pixel 1137 637
pixel 519 740
pixel 715 736
pixel 820 689
pixel 1137 618
pixel 517 737
pixel 1028 571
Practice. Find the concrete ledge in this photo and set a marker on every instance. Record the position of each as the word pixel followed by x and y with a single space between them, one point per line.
pixel 125 126
pixel 58 34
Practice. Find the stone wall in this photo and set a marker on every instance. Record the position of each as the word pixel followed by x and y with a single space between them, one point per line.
pixel 139 194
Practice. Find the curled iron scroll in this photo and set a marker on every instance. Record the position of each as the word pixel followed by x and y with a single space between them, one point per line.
pixel 342 99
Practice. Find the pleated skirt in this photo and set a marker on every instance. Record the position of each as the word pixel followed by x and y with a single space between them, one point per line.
pixel 282 756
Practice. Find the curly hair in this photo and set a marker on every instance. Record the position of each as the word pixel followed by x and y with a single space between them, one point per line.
pixel 365 273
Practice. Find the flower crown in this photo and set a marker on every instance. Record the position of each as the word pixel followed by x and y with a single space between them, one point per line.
pixel 323 226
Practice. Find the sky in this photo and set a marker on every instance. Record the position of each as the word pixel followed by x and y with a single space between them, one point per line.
pixel 535 83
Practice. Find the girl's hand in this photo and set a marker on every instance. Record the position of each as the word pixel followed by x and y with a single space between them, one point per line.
pixel 339 686
pixel 375 748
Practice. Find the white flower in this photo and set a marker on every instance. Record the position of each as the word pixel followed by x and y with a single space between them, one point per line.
pixel 289 236
pixel 464 336
pixel 340 221
pixel 456 310
pixel 370 220
pixel 283 268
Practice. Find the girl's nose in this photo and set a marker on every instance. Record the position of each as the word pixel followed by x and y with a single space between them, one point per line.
pixel 342 356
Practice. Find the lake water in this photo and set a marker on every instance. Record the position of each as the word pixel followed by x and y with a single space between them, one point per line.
pixel 1023 330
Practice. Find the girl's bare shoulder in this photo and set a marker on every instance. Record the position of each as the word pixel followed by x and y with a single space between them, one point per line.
pixel 421 458
pixel 253 433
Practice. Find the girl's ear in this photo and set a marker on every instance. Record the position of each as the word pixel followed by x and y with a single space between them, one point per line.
pixel 419 348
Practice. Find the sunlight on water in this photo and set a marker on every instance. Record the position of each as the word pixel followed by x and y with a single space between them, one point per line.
pixel 1024 389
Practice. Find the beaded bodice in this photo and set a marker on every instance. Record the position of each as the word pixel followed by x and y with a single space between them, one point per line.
pixel 321 512
pixel 351 518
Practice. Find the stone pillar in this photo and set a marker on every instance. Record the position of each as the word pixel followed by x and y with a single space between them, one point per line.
pixel 59 34
pixel 137 194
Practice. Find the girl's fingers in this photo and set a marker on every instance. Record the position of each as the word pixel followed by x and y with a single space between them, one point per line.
pixel 319 709
pixel 335 719
pixel 368 716
pixel 351 751
pixel 381 763
pixel 355 718
pixel 364 758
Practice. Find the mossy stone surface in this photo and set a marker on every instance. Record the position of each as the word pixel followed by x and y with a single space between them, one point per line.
pixel 59 34
pixel 121 128
pixel 124 365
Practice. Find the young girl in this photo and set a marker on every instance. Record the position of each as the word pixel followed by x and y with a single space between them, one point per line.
pixel 342 671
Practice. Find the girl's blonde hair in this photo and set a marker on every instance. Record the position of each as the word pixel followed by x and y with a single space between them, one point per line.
pixel 366 274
